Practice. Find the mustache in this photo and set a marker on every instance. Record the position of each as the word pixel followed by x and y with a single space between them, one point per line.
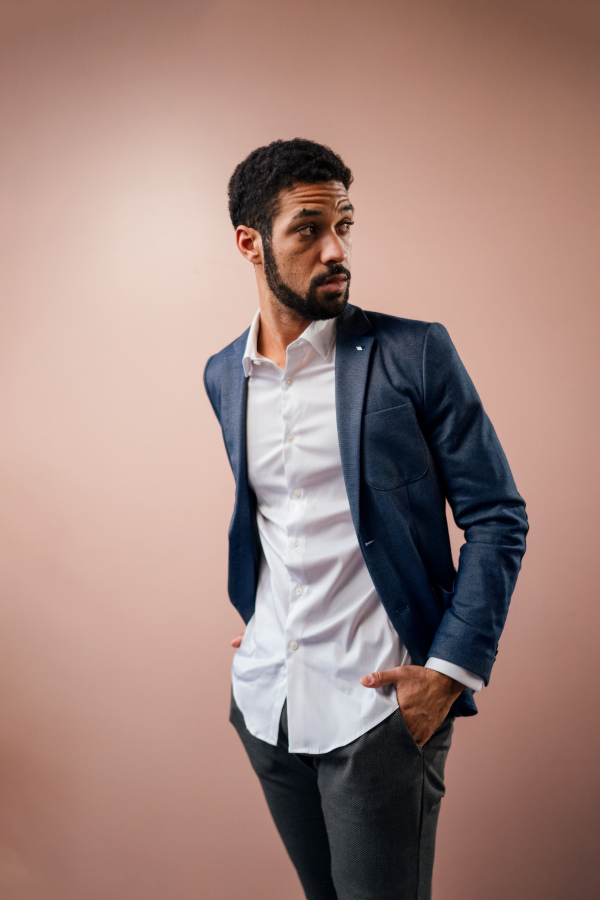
pixel 336 269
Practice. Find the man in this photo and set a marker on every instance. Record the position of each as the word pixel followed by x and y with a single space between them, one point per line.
pixel 346 432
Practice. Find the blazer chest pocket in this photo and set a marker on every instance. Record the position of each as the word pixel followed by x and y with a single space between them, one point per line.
pixel 393 451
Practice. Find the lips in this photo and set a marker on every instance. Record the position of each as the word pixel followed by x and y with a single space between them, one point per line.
pixel 335 282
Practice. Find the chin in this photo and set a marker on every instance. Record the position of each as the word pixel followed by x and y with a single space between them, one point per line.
pixel 311 307
pixel 334 307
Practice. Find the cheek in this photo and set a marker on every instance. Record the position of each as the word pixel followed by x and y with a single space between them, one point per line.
pixel 297 272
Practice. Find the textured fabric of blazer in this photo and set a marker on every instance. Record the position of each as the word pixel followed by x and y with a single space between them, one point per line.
pixel 412 433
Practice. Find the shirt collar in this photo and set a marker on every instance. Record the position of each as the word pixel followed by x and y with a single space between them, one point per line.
pixel 320 334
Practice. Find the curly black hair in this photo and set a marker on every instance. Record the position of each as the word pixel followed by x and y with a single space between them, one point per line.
pixel 257 180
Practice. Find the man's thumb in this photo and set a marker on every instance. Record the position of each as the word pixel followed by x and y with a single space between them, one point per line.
pixel 377 679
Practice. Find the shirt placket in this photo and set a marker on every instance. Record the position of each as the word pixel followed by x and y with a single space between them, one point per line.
pixel 293 435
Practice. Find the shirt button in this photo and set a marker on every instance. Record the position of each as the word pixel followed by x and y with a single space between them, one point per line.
pixel 298 591
pixel 295 543
pixel 297 492
pixel 293 645
pixel 291 437
pixel 289 381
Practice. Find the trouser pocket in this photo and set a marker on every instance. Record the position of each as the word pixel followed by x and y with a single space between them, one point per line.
pixel 408 731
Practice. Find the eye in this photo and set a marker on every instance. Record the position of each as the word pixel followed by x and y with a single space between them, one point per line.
pixel 345 227
pixel 307 230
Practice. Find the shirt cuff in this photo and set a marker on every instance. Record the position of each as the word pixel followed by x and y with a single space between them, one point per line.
pixel 474 682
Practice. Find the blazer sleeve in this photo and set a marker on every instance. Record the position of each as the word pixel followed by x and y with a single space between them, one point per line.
pixel 485 504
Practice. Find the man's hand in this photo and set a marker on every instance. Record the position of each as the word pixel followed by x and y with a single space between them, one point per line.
pixel 424 696
pixel 237 640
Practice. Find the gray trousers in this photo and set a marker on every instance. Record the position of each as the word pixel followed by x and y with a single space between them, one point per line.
pixel 358 822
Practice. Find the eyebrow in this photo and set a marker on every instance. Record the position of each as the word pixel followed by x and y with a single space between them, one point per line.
pixel 306 213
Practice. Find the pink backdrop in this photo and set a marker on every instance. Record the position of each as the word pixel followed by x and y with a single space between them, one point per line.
pixel 470 128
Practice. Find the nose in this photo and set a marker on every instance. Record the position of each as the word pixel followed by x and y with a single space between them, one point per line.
pixel 333 249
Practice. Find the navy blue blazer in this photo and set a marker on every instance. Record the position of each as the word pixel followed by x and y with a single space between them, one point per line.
pixel 412 432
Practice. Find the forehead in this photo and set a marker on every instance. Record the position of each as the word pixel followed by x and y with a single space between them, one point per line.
pixel 327 196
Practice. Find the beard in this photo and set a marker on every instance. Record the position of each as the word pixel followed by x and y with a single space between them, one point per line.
pixel 307 306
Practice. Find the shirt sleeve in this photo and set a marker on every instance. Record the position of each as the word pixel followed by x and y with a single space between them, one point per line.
pixel 457 672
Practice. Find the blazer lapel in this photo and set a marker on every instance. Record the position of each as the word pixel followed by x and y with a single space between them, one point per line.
pixel 233 410
pixel 244 548
pixel 352 356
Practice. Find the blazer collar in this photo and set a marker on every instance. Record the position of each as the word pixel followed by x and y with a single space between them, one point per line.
pixel 354 320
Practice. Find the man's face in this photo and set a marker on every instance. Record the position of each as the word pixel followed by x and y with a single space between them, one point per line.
pixel 307 259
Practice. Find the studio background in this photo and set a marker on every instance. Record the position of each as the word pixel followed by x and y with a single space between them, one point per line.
pixel 472 131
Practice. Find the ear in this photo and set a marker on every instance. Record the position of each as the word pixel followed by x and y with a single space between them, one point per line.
pixel 249 243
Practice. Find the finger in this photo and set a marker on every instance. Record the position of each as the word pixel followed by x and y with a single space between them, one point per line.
pixel 377 679
pixel 237 640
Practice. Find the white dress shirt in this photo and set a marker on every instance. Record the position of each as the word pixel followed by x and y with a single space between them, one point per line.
pixel 318 623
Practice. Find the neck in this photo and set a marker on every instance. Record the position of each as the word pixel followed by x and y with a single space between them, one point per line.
pixel 279 327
